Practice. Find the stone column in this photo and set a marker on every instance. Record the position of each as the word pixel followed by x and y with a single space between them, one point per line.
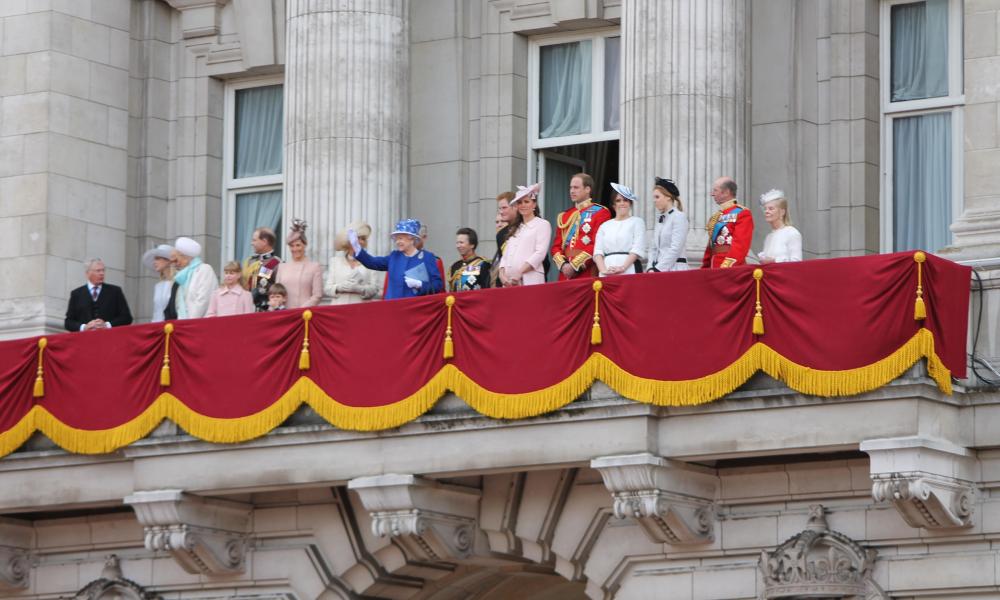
pixel 346 116
pixel 64 99
pixel 684 100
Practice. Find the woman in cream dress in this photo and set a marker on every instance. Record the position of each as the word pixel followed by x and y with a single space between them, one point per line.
pixel 347 280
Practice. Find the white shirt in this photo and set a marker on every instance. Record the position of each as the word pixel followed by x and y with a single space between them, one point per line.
pixel 783 245
pixel 617 239
pixel 669 239
pixel 161 295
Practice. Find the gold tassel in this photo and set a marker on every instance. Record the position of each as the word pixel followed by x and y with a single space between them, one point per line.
pixel 595 331
pixel 919 308
pixel 39 391
pixel 449 345
pixel 165 369
pixel 758 318
pixel 304 362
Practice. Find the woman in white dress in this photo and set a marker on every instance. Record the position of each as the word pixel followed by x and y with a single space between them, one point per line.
pixel 347 280
pixel 784 243
pixel 666 252
pixel 158 259
pixel 621 242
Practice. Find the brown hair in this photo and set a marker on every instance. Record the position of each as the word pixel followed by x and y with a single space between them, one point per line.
pixel 232 267
pixel 666 192
pixel 471 234
pixel 586 180
pixel 508 196
pixel 266 234
pixel 277 289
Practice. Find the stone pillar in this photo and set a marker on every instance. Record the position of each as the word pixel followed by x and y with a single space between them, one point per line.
pixel 64 99
pixel 684 100
pixel 346 116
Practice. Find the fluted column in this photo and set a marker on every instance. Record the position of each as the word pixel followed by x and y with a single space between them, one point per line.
pixel 684 99
pixel 346 116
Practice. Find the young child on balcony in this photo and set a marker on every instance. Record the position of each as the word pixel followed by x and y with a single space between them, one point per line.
pixel 277 297
pixel 230 298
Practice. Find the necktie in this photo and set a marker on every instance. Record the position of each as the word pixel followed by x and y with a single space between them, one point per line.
pixel 660 220
pixel 95 292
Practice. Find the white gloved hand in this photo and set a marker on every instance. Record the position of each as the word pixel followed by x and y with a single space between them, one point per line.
pixel 352 237
pixel 413 284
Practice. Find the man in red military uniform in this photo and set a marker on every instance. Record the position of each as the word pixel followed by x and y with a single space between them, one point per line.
pixel 576 231
pixel 730 230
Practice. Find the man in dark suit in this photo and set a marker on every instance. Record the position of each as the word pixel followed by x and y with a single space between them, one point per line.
pixel 97 305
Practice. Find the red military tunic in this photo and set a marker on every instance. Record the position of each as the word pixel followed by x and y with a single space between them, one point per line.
pixel 576 232
pixel 730 231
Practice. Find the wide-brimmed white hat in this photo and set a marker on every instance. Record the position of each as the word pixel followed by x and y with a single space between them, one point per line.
pixel 188 247
pixel 625 191
pixel 526 190
pixel 161 251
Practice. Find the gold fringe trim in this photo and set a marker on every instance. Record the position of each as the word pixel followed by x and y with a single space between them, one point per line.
pixel 492 404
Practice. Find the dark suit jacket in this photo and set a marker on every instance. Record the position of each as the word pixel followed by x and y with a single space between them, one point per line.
pixel 110 306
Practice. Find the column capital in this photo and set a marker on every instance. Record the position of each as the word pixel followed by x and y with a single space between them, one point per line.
pixel 204 535
pixel 930 482
pixel 15 563
pixel 673 502
pixel 432 521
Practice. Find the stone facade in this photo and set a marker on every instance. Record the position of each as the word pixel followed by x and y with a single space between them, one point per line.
pixel 113 121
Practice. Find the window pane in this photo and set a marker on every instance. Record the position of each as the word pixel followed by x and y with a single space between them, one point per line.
pixel 612 83
pixel 919 50
pixel 565 89
pixel 253 210
pixel 258 131
pixel 921 182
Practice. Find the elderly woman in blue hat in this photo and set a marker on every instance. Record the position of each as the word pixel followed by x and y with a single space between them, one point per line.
pixel 411 271
pixel 621 242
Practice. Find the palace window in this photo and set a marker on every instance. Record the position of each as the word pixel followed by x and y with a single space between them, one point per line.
pixel 254 153
pixel 922 100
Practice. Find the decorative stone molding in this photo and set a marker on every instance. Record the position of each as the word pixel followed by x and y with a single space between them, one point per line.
pixel 15 562
pixel 430 520
pixel 113 586
pixel 930 482
pixel 819 563
pixel 672 501
pixel 204 535
pixel 199 18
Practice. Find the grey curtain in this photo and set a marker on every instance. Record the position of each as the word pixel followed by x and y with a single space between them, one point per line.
pixel 258 131
pixel 612 83
pixel 919 50
pixel 921 182
pixel 253 210
pixel 565 89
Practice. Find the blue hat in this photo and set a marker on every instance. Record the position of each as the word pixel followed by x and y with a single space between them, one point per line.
pixel 407 226
pixel 625 191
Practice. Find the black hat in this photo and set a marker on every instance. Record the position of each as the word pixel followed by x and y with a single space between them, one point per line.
pixel 668 185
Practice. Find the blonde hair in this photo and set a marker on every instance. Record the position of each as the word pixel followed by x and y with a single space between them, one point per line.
pixel 676 199
pixel 782 203
pixel 340 240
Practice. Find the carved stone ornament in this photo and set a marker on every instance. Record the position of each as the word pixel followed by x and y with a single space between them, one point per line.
pixel 673 502
pixel 15 562
pixel 430 520
pixel 928 481
pixel 207 536
pixel 819 563
pixel 113 586
pixel 198 17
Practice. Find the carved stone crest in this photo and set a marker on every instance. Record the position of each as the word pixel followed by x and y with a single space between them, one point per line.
pixel 819 563
pixel 113 586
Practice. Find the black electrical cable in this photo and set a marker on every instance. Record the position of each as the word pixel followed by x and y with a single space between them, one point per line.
pixel 975 337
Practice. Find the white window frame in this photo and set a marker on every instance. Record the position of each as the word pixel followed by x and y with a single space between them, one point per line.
pixel 598 38
pixel 231 187
pixel 953 103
